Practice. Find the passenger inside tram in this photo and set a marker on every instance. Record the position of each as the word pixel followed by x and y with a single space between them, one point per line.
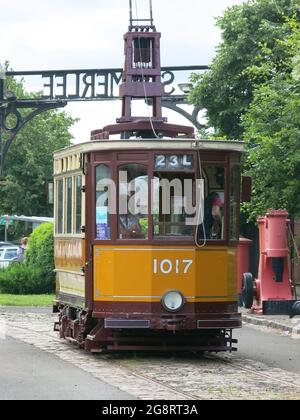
pixel 130 225
pixel 133 196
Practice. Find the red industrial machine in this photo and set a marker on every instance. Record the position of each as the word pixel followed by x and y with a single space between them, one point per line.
pixel 273 289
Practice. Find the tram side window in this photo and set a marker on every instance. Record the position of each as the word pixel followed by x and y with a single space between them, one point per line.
pixel 133 202
pixel 103 203
pixel 214 204
pixel 60 196
pixel 69 188
pixel 78 203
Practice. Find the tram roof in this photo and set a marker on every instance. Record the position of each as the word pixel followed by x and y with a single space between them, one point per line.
pixel 150 144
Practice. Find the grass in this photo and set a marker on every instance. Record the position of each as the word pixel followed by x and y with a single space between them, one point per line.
pixel 26 300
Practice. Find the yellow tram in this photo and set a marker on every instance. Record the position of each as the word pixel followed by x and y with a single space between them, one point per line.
pixel 111 281
pixel 146 226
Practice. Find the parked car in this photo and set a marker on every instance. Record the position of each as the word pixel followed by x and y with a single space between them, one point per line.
pixel 8 254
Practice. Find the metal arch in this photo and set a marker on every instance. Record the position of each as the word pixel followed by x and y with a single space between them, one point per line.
pixel 85 91
pixel 16 114
pixel 12 107
pixel 193 117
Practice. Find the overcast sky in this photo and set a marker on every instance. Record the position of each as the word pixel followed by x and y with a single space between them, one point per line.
pixel 70 34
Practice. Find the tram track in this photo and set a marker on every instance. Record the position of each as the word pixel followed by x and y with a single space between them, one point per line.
pixel 169 388
pixel 260 374
pixel 236 368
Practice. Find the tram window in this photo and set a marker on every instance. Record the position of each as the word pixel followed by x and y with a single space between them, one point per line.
pixel 69 204
pixel 78 203
pixel 103 184
pixel 133 202
pixel 214 201
pixel 60 194
pixel 169 205
pixel 234 202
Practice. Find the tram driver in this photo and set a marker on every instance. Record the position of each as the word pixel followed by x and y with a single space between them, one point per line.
pixel 212 227
pixel 213 215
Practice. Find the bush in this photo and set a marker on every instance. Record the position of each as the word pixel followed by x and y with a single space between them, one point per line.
pixel 40 251
pixel 36 274
pixel 21 279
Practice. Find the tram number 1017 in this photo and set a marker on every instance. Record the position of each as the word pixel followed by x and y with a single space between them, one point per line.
pixel 167 266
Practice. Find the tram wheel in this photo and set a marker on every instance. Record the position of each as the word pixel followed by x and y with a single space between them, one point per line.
pixel 247 292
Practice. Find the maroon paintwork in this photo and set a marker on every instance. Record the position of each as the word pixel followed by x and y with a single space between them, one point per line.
pixel 139 125
pixel 192 317
pixel 198 326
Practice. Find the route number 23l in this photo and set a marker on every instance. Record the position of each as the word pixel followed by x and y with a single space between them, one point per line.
pixel 167 266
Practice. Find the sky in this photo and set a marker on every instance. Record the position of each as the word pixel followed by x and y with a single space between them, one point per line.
pixel 76 34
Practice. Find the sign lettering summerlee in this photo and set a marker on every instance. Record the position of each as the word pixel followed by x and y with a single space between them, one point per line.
pixel 83 85
pixel 58 87
pixel 88 85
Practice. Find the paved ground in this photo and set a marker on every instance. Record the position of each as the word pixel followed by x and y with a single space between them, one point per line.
pixel 262 369
pixel 27 373
pixel 275 348
pixel 280 322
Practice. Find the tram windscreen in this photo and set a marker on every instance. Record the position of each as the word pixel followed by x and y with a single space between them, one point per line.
pixel 170 202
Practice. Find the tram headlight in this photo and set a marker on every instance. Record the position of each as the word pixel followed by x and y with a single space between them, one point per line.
pixel 173 301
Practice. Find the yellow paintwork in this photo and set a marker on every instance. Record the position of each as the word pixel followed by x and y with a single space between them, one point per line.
pixel 70 283
pixel 130 273
pixel 69 260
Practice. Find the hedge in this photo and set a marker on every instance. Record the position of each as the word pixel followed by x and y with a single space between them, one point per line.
pixel 36 274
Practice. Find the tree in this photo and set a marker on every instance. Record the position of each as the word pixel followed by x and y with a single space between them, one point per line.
pixel 252 92
pixel 248 56
pixel 272 133
pixel 29 162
